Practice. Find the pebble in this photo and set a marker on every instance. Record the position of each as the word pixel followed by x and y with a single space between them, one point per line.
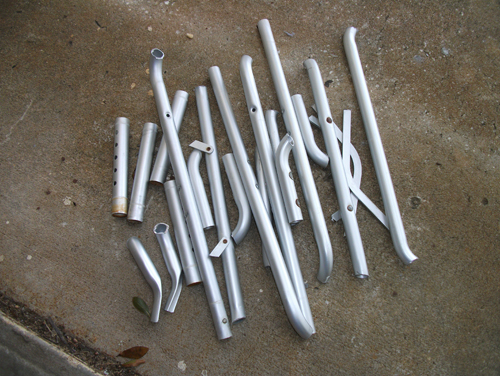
pixel 150 28
pixel 190 36
pixel 29 257
pixel 182 365
pixel 132 86
pixel 445 51
pixel 67 201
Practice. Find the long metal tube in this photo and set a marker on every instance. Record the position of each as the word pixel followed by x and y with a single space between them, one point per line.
pixel 272 128
pixel 172 262
pixel 299 154
pixel 149 271
pixel 280 272
pixel 261 181
pixel 140 187
pixel 188 259
pixel 277 201
pixel 337 167
pixel 160 167
pixel 377 150
pixel 119 202
pixel 199 189
pixel 231 275
pixel 186 194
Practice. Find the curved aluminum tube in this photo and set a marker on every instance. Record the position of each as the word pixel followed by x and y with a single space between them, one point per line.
pixel 173 264
pixel 313 150
pixel 261 181
pixel 149 271
pixel 140 187
pixel 299 154
pixel 199 189
pixel 119 202
pixel 377 150
pixel 244 212
pixel 188 260
pixel 160 167
pixel 231 275
pixel 285 178
pixel 280 272
pixel 186 194
pixel 272 128
pixel 278 202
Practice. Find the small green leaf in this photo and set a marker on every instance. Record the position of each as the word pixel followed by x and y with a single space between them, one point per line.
pixel 141 306
pixel 134 363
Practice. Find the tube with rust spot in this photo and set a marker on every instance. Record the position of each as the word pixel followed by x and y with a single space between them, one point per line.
pixel 172 262
pixel 244 212
pixel 207 271
pixel 140 187
pixel 231 275
pixel 160 167
pixel 299 154
pixel 120 168
pixel 377 150
pixel 280 272
pixel 199 189
pixel 188 260
pixel 149 271
pixel 261 180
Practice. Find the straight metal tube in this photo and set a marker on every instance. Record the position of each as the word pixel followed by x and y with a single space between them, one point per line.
pixel 188 260
pixel 231 275
pixel 272 128
pixel 277 200
pixel 140 187
pixel 377 150
pixel 280 272
pixel 160 167
pixel 119 202
pixel 186 194
pixel 299 154
pixel 337 167
pixel 261 180
pixel 199 189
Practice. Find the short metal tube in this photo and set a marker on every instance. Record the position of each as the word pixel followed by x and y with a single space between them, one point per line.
pixel 149 271
pixel 299 154
pixel 261 180
pixel 172 262
pixel 377 150
pixel 119 202
pixel 285 178
pixel 199 189
pixel 142 170
pixel 239 196
pixel 188 260
pixel 231 274
pixel 212 290
pixel 162 162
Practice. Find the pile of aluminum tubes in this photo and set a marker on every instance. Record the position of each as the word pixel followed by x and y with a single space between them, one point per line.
pixel 267 193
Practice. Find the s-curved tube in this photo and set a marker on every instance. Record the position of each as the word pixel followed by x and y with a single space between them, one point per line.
pixel 199 189
pixel 377 150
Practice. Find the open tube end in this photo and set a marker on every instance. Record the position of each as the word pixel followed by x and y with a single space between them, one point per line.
pixel 161 228
pixel 157 53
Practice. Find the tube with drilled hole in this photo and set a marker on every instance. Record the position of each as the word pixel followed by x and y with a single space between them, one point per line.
pixel 186 194
pixel 119 203
pixel 199 189
pixel 140 187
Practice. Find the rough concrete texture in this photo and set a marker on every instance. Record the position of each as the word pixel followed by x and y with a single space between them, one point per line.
pixel 69 68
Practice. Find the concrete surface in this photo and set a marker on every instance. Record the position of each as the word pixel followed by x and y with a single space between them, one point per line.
pixel 23 353
pixel 69 68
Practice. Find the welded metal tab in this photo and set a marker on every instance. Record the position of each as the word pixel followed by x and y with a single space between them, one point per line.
pixel 201 146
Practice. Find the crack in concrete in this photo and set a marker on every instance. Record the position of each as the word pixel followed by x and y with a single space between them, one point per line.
pixel 7 137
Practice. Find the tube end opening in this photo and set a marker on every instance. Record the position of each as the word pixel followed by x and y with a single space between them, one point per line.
pixel 362 276
pixel 161 228
pixel 157 53
pixel 238 320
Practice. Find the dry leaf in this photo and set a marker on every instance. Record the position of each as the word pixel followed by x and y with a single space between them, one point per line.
pixel 134 363
pixel 136 352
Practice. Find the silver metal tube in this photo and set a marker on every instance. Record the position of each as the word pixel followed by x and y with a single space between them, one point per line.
pixel 186 194
pixel 239 196
pixel 313 150
pixel 140 187
pixel 160 167
pixel 277 200
pixel 261 180
pixel 285 178
pixel 199 189
pixel 377 150
pixel 272 128
pixel 172 262
pixel 149 271
pixel 119 202
pixel 188 259
pixel 231 275
pixel 299 154
pixel 280 272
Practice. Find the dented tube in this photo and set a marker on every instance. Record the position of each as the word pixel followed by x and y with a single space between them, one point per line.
pixel 199 189
pixel 119 203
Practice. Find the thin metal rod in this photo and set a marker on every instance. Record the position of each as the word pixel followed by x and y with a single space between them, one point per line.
pixel 199 189
pixel 186 194
pixel 231 274
pixel 162 162
pixel 119 203
pixel 280 272
pixel 140 187
pixel 377 150
pixel 261 180
pixel 299 154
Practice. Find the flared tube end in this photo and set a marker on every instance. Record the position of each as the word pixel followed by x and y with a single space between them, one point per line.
pixel 157 53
